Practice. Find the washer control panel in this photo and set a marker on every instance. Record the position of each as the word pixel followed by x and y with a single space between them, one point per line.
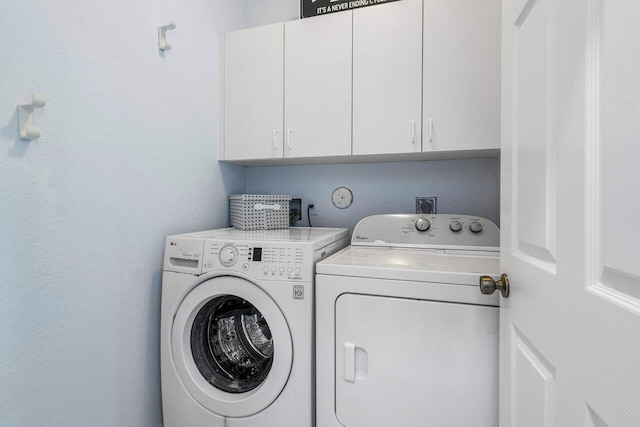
pixel 279 255
pixel 418 230
pixel 261 260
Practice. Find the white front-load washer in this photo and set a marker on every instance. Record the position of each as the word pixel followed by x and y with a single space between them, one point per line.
pixel 237 326
pixel 404 337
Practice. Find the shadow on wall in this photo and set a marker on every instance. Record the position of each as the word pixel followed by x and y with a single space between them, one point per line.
pixel 234 180
pixel 469 186
pixel 230 173
pixel 152 361
pixel 11 131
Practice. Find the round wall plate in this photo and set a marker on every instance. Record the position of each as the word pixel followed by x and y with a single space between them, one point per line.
pixel 342 197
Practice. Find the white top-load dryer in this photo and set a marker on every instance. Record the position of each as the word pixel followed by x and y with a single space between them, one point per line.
pixel 404 337
pixel 237 326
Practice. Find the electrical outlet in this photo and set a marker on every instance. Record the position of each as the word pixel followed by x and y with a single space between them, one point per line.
pixel 295 211
pixel 426 205
pixel 311 204
pixel 310 210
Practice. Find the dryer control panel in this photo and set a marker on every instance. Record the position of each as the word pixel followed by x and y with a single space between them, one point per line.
pixel 427 231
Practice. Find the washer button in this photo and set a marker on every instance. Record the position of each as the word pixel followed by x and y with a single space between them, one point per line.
pixel 273 269
pixel 297 269
pixel 289 270
pixel 245 266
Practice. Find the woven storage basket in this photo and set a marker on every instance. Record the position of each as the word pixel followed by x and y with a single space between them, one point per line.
pixel 259 211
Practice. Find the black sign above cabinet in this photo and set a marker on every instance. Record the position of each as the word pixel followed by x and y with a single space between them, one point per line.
pixel 309 8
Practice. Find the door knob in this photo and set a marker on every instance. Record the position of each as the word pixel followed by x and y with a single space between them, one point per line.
pixel 489 286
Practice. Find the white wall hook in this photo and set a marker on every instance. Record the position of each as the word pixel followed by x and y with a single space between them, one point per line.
pixel 25 117
pixel 162 35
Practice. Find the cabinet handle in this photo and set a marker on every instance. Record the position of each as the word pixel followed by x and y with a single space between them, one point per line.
pixel 289 139
pixel 413 131
pixel 430 130
pixel 275 139
pixel 350 362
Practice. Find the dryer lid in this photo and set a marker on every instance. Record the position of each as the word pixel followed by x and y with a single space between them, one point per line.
pixel 421 265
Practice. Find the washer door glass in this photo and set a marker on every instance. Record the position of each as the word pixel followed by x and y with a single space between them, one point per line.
pixel 232 344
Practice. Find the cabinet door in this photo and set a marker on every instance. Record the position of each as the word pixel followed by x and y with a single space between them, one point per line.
pixel 461 74
pixel 253 93
pixel 387 78
pixel 317 86
pixel 403 362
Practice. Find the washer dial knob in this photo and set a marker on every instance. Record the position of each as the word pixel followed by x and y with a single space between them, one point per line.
pixel 228 255
pixel 455 226
pixel 422 224
pixel 475 227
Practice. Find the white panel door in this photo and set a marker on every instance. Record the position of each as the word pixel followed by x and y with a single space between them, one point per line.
pixel 404 362
pixel 253 93
pixel 317 86
pixel 461 75
pixel 570 331
pixel 387 78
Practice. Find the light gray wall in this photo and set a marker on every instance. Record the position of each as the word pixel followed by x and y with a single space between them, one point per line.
pixel 127 156
pixel 462 186
pixel 261 12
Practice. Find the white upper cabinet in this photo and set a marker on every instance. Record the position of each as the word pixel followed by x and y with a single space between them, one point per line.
pixel 317 86
pixel 387 78
pixel 253 93
pixel 461 75
pixel 409 79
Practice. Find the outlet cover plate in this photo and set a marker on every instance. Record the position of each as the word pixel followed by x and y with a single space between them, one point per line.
pixel 426 205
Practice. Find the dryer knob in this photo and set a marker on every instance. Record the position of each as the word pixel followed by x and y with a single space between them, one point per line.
pixel 228 255
pixel 475 227
pixel 422 224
